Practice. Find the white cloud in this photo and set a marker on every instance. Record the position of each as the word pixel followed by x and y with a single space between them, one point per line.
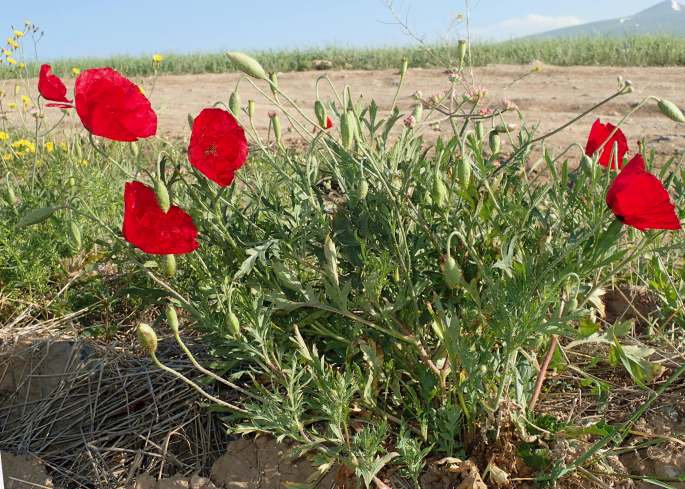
pixel 523 26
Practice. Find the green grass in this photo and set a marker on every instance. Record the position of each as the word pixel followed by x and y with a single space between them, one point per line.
pixel 638 51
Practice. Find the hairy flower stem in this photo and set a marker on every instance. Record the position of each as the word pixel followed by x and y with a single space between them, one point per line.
pixel 543 372
pixel 192 384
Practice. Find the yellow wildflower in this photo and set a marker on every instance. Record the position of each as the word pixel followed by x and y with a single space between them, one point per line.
pixel 157 58
pixel 49 146
pixel 4 136
pixel 24 144
pixel 21 66
pixel 63 146
pixel 75 71
pixel 6 52
pixel 7 156
pixel 11 61
pixel 85 162
pixel 11 106
pixel 12 43
pixel 26 100
pixel 18 34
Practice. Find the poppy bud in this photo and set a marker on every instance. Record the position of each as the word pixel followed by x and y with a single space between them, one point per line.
pixel 162 195
pixel 480 131
pixel 320 112
pixel 418 112
pixel 169 265
pixel 36 216
pixel 461 51
pixel 464 171
pixel 403 68
pixel 147 338
pixel 494 141
pixel 172 318
pixel 190 121
pixel 233 323
pixel 135 150
pixel 273 78
pixel 362 189
pixel 346 130
pixel 276 123
pixel 439 192
pixel 451 273
pixel 251 108
pixel 671 110
pixel 396 275
pixel 331 255
pixel 234 103
pixel 10 196
pixel 75 234
pixel 247 65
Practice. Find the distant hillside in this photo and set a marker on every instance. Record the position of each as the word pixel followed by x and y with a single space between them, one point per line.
pixel 663 18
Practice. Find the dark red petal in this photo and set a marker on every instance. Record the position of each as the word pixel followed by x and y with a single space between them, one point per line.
pixel 599 137
pixel 218 147
pixel 111 106
pixel 640 200
pixel 51 87
pixel 152 230
pixel 329 122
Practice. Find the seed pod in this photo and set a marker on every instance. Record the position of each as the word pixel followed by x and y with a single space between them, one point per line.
pixel 273 78
pixel 169 265
pixel 461 51
pixel 495 142
pixel 172 318
pixel 451 273
pixel 231 320
pixel 276 122
pixel 362 189
pixel 147 338
pixel 162 195
pixel 234 103
pixel 464 171
pixel 74 234
pixel 587 165
pixel 251 108
pixel 36 216
pixel 320 112
pixel 403 68
pixel 439 191
pixel 346 130
pixel 247 65
pixel 331 255
pixel 671 110
pixel 418 112
pixel 480 131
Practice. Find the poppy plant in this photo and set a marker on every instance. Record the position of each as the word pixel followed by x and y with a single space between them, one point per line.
pixel 112 106
pixel 218 147
pixel 601 139
pixel 147 227
pixel 52 88
pixel 638 199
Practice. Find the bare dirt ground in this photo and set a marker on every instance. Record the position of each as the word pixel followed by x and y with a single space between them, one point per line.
pixel 548 98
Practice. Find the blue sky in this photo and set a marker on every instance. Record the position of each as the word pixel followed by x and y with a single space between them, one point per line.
pixel 104 27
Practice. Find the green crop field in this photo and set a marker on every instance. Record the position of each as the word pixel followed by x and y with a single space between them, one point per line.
pixel 638 51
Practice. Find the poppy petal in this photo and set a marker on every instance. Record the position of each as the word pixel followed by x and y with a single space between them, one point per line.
pixel 218 147
pixel 51 87
pixel 600 137
pixel 112 106
pixel 147 227
pixel 640 200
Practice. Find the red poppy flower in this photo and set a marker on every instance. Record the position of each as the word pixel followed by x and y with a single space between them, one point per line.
pixel 52 88
pixel 639 199
pixel 148 227
pixel 599 137
pixel 218 147
pixel 112 106
pixel 329 122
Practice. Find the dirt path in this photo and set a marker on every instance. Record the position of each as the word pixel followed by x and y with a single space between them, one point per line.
pixel 549 98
